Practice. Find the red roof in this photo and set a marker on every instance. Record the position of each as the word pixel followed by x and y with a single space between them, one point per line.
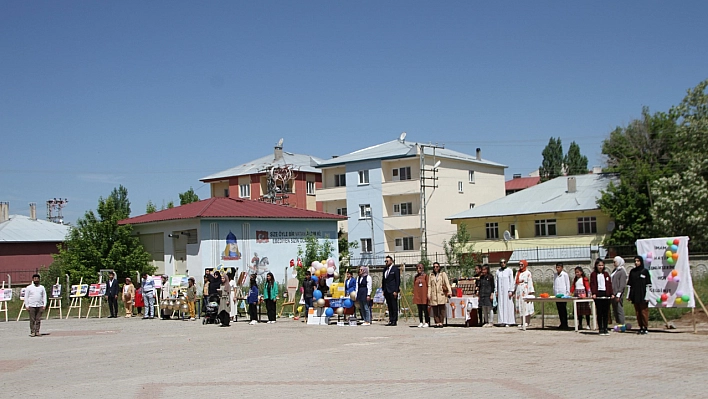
pixel 521 183
pixel 223 207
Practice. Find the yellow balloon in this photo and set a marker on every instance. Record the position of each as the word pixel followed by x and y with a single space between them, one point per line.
pixel 678 301
pixel 299 308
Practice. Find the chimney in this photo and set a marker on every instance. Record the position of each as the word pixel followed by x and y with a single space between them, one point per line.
pixel 479 154
pixel 571 184
pixel 517 175
pixel 4 211
pixel 278 153
pixel 33 211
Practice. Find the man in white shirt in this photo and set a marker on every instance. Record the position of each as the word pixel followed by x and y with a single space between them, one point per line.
pixel 561 285
pixel 505 291
pixel 35 302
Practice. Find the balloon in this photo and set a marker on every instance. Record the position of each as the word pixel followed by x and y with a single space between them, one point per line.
pixel 317 294
pixel 668 254
pixel 320 303
pixel 340 311
pixel 674 273
pixel 658 301
pixel 664 297
pixel 678 301
pixel 676 279
pixel 329 312
pixel 299 308
pixel 347 303
pixel 314 264
pixel 623 328
pixel 330 270
pixel 670 278
pixel 670 261
pixel 352 295
pixel 674 248
pixel 324 263
pixel 674 256
pixel 686 298
pixel 616 329
pixel 629 326
pixel 676 241
pixel 669 242
pixel 336 275
pixel 679 293
pixel 330 262
pixel 315 279
pixel 665 304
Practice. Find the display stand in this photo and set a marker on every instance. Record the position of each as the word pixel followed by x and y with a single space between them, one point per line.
pixel 55 303
pixel 94 301
pixel 76 302
pixel 22 307
pixel 3 304
pixel 293 285
pixel 404 307
pixel 240 297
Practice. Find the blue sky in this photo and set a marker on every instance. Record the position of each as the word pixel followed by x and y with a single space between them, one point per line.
pixel 155 95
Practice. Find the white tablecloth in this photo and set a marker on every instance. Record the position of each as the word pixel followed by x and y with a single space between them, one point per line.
pixel 459 308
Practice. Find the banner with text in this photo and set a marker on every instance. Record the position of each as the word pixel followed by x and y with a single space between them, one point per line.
pixel 667 262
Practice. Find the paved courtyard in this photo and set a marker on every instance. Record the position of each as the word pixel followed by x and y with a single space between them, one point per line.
pixel 132 358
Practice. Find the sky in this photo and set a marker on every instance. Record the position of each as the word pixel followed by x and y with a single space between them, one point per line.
pixel 156 95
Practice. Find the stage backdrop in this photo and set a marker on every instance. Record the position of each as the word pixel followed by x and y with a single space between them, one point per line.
pixel 667 261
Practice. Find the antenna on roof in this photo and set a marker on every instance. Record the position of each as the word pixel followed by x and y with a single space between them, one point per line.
pixel 280 143
pixel 402 137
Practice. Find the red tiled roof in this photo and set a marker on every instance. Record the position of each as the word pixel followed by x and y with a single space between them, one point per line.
pixel 521 183
pixel 222 207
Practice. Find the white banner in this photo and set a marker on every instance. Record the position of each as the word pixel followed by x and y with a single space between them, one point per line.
pixel 667 261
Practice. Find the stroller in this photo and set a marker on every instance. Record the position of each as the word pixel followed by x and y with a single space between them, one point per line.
pixel 212 310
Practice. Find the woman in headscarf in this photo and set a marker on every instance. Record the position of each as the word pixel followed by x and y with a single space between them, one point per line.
pixel 524 287
pixel 225 301
pixel 619 283
pixel 128 296
pixel 363 294
pixel 439 291
pixel 639 279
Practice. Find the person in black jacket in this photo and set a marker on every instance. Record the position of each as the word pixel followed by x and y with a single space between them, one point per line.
pixel 308 287
pixel 391 284
pixel 112 295
pixel 639 279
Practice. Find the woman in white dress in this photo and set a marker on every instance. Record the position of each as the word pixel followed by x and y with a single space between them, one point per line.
pixel 524 287
pixel 234 306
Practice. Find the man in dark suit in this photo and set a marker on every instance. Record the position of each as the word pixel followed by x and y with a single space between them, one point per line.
pixel 391 284
pixel 112 295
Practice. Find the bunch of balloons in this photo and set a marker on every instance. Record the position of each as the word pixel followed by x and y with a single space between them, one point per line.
pixel 326 268
pixel 672 251
pixel 673 277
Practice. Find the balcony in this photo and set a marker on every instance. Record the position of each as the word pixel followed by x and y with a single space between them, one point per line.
pixel 331 194
pixel 405 187
pixel 403 222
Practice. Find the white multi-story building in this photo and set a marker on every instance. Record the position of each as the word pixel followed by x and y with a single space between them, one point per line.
pixel 380 190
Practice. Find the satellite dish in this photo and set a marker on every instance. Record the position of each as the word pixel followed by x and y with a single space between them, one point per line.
pixel 507 235
pixel 280 142
pixel 402 137
pixel 437 165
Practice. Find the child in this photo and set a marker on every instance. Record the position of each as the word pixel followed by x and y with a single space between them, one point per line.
pixel 191 297
pixel 581 288
pixel 253 301
pixel 601 287
pixel 139 304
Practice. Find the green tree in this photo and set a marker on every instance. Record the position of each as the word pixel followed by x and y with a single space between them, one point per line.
pixel 99 242
pixel 188 197
pixel 459 251
pixel 552 164
pixel 575 162
pixel 150 207
pixel 120 201
pixel 345 246
pixel 313 251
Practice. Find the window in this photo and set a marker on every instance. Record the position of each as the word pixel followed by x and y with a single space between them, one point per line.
pixel 311 188
pixel 404 244
pixel 587 225
pixel 363 177
pixel 340 180
pixel 402 173
pixel 545 227
pixel 512 230
pixel 226 192
pixel 366 245
pixel 472 176
pixel 460 187
pixel 405 208
pixel 244 191
pixel 471 205
pixel 492 231
pixel 365 211
pixel 342 211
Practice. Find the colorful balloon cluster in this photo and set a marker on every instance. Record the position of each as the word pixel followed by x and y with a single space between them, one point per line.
pixel 672 251
pixel 622 327
pixel 326 268
pixel 673 277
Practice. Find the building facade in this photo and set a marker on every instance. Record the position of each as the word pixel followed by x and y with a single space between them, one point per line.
pixel 283 178
pixel 379 190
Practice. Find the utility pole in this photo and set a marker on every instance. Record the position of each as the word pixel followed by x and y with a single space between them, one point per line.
pixel 423 197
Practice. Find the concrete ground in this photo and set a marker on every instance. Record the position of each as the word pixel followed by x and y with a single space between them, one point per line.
pixel 133 358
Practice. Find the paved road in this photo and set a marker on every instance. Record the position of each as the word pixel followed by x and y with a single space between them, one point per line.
pixel 135 358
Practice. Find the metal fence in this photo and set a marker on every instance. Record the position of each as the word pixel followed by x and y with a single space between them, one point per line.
pixel 17 277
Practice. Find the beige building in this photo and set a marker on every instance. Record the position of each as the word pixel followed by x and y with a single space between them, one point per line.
pixel 380 190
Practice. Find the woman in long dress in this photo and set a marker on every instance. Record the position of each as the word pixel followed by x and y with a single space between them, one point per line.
pixel 524 287
pixel 224 301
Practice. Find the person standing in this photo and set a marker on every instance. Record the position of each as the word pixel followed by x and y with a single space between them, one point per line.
pixel 524 287
pixel 148 286
pixel 485 285
pixel 420 296
pixel 363 294
pixel 439 290
pixel 270 295
pixel 561 285
pixel 191 298
pixel 505 291
pixel 308 288
pixel 128 297
pixel 581 289
pixel 391 284
pixel 350 283
pixel 252 300
pixel 205 293
pixel 601 288
pixel 639 279
pixel 164 295
pixel 112 294
pixel 619 283
pixel 35 302
pixel 224 292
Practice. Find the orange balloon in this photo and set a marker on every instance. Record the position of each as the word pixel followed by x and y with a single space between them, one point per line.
pixel 675 256
pixel 674 273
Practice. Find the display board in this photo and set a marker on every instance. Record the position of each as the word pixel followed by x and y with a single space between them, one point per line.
pixel 56 291
pixel 667 262
pixel 6 295
pixel 79 290
pixel 97 290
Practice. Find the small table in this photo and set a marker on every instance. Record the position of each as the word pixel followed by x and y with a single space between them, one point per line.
pixel 575 301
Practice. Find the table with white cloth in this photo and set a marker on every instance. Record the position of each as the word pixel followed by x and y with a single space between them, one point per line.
pixel 553 299
pixel 459 307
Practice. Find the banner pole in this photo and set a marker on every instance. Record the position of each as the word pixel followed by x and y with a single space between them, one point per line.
pixel 666 322
pixel 695 294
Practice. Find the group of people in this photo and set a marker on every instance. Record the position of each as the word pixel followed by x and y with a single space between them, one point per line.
pixel 222 286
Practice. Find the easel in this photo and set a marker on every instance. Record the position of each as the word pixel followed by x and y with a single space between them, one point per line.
pixel 22 307
pixel 95 299
pixel 3 304
pixel 404 306
pixel 55 303
pixel 76 300
pixel 240 297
